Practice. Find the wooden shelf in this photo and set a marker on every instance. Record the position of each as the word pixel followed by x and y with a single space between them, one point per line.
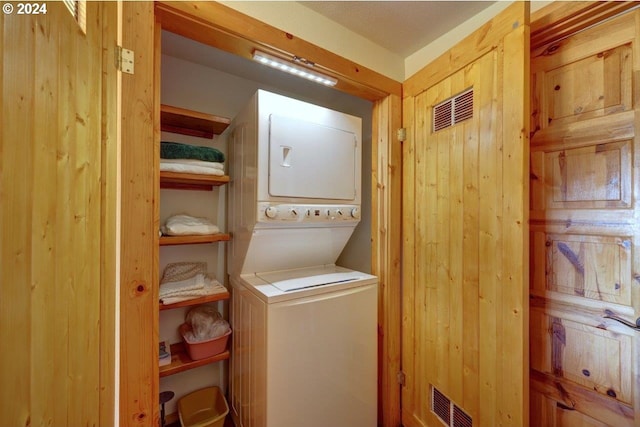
pixel 191 181
pixel 196 301
pixel 193 123
pixel 180 360
pixel 194 240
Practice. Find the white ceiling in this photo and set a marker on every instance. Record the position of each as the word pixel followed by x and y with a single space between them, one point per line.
pixel 402 27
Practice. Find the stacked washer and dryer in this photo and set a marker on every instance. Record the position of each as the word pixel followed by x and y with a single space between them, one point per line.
pixel 304 342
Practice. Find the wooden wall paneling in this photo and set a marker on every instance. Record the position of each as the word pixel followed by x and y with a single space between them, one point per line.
pixel 441 276
pixel 577 398
pixel 64 273
pixel 454 270
pixel 16 184
pixel 465 300
pixel 426 175
pixel 111 15
pixel 491 188
pixel 85 191
pixel 609 367
pixel 584 215
pixel 48 190
pixel 469 289
pixel 52 219
pixel 377 198
pixel 409 299
pixel 635 247
pixel 514 331
pixel 386 231
pixel 4 255
pixel 559 20
pixel 608 276
pixel 552 414
pixel 474 46
pixel 139 383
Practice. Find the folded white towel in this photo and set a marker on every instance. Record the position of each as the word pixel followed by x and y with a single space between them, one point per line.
pixel 183 270
pixel 192 162
pixel 173 300
pixel 194 283
pixel 179 167
pixel 185 225
pixel 211 287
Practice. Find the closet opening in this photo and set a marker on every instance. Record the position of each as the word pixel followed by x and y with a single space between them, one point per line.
pixel 200 78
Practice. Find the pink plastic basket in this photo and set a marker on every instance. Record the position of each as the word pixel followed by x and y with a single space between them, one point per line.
pixel 203 349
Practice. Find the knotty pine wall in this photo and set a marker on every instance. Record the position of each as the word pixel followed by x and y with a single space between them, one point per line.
pixel 58 190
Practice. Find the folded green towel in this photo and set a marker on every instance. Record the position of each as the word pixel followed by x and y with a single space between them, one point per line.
pixel 174 150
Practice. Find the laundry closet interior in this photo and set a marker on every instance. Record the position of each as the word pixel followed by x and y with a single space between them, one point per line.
pixel 202 79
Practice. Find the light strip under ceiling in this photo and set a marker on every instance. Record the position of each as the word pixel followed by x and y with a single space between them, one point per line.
pixel 296 70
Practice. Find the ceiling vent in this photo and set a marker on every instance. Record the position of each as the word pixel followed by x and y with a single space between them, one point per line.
pixel 447 411
pixel 454 110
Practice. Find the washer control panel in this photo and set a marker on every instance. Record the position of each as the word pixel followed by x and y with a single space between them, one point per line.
pixel 274 213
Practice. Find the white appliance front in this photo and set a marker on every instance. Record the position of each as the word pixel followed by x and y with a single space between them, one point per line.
pixel 304 342
pixel 311 161
pixel 294 195
pixel 305 357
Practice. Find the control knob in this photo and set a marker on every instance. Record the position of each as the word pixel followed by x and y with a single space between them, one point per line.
pixel 355 213
pixel 271 212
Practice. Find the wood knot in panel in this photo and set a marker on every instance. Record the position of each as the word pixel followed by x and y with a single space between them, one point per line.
pixel 138 288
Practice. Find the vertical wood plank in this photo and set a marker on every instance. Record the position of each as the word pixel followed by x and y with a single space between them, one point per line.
pixel 377 248
pixel 426 249
pixel 16 165
pixel 490 238
pixel 456 254
pixel 471 256
pixel 409 297
pixel 139 381
pixel 442 277
pixel 514 332
pixel 45 190
pixel 85 371
pixel 386 228
pixel 50 207
pixel 417 336
pixel 425 284
pixel 635 254
pixel 64 273
pixel 111 15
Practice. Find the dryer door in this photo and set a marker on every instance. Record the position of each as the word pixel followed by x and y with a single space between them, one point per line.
pixel 308 160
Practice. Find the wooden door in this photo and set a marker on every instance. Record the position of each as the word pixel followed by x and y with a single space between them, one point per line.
pixel 465 209
pixel 58 165
pixel 585 261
